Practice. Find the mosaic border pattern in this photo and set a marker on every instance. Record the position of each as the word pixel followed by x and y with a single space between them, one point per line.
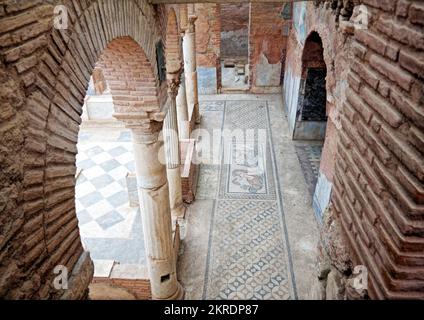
pixel 236 267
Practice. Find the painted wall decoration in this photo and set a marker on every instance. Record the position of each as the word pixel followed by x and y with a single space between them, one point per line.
pixel 286 12
pixel 291 96
pixel 299 20
pixel 322 196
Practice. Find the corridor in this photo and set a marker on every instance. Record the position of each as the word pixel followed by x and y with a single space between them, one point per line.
pixel 249 236
pixel 211 149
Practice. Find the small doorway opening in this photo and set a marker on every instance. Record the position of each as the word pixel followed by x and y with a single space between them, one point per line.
pixel 311 118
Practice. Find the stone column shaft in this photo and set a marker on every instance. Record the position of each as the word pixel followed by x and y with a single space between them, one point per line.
pixel 190 66
pixel 172 152
pixel 182 111
pixel 156 215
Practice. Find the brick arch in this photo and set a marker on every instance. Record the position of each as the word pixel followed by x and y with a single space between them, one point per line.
pixel 173 42
pixel 323 32
pixel 130 77
pixel 53 68
pixel 311 115
pixel 313 53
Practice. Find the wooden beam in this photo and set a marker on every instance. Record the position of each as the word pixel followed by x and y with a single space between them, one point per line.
pixel 220 1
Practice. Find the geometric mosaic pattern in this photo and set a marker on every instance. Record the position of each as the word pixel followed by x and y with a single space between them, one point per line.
pixel 248 254
pixel 309 158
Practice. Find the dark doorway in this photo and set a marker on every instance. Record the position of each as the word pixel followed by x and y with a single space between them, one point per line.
pixel 311 118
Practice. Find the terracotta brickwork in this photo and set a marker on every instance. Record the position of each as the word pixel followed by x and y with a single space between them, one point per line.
pixel 234 30
pixel 379 193
pixel 130 77
pixel 373 153
pixel 267 44
pixel 373 156
pixel 45 73
pixel 208 35
pixel 234 16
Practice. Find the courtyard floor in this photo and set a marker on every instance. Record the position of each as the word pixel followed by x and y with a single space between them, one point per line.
pixel 110 228
pixel 251 233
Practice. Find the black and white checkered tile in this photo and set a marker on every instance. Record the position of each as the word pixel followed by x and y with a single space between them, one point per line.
pixel 101 194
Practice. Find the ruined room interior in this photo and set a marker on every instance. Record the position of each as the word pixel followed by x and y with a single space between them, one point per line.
pixel 211 150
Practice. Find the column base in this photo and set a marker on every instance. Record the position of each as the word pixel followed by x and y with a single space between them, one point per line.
pixel 179 213
pixel 199 119
pixel 178 295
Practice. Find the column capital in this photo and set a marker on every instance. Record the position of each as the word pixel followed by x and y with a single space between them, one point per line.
pixel 173 85
pixel 191 20
pixel 143 137
pixel 143 122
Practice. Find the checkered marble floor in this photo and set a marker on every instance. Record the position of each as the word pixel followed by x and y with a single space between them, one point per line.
pixel 109 227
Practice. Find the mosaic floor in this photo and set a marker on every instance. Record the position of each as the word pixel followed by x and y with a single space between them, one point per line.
pixel 309 155
pixel 248 253
pixel 110 228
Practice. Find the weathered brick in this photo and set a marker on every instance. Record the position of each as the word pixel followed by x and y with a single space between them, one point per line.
pixel 26 63
pixel 413 61
pixel 359 105
pixel 416 13
pixel 372 40
pixel 403 8
pixel 386 5
pixel 386 111
pixel 393 72
pixel 370 77
pixel 401 32
pixel 412 110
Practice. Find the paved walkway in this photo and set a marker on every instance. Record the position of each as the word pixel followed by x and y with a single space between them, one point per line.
pixel 243 239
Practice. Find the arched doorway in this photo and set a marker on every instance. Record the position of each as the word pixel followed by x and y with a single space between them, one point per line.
pixel 107 204
pixel 311 127
pixel 42 231
pixel 311 118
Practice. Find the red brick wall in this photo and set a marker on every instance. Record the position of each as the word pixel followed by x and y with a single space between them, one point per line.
pixel 374 147
pixel 45 74
pixel 379 194
pixel 234 16
pixel 129 75
pixel 266 36
pixel 208 35
pixel 235 30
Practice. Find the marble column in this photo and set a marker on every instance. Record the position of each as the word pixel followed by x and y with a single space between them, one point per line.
pixel 172 152
pixel 182 111
pixel 156 214
pixel 190 67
